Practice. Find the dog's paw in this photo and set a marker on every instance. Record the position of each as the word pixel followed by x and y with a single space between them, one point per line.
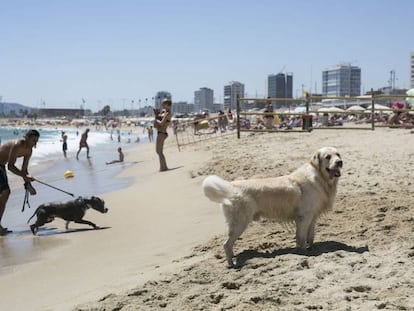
pixel 33 228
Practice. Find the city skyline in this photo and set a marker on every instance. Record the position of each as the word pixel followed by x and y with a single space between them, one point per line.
pixel 55 54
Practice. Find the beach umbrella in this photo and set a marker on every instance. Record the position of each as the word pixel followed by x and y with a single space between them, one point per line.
pixel 330 109
pixel 299 110
pixel 355 108
pixel 378 107
pixel 410 100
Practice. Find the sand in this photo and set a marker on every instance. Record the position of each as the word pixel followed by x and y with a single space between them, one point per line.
pixel 162 246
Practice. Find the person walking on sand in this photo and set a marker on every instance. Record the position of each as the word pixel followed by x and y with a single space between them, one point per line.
pixel 150 133
pixel 9 152
pixel 120 159
pixel 162 119
pixel 83 143
pixel 64 143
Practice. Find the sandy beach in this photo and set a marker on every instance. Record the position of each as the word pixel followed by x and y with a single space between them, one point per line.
pixel 161 246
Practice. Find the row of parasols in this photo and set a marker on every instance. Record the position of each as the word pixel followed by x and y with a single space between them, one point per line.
pixel 378 108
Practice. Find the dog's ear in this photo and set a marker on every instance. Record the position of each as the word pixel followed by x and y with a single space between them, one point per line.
pixel 315 159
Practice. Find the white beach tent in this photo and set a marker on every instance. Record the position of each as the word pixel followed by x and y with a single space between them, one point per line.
pixel 331 110
pixel 410 100
pixel 300 109
pixel 355 108
pixel 379 108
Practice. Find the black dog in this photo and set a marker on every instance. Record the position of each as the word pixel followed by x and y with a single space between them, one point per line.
pixel 70 211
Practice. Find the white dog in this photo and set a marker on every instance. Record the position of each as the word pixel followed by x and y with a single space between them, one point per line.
pixel 300 197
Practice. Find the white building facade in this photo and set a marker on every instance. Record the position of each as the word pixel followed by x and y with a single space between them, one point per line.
pixel 341 80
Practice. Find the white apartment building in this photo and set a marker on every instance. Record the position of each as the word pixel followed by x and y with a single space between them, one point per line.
pixel 341 80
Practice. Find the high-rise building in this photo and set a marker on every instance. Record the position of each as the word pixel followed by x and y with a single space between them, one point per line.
pixel 341 80
pixel 280 86
pixel 160 96
pixel 231 91
pixel 412 70
pixel 204 99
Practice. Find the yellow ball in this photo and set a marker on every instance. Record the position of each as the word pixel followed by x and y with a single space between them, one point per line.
pixel 68 174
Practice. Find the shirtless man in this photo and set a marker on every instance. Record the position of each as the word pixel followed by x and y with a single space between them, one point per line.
pixel 83 143
pixel 9 152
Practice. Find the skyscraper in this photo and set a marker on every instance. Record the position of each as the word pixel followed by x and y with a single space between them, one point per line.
pixel 341 80
pixel 204 99
pixel 231 90
pixel 280 86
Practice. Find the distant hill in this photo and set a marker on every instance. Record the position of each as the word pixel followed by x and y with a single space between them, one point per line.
pixel 5 108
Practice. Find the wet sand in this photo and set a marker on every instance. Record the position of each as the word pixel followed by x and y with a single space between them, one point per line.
pixel 138 239
pixel 91 177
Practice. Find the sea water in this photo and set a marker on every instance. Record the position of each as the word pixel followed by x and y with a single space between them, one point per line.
pixel 47 164
pixel 49 145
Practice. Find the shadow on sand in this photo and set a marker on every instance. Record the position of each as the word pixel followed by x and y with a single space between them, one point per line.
pixel 51 232
pixel 316 250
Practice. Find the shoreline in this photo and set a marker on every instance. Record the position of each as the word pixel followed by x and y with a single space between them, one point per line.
pixel 135 213
pixel 162 246
pixel 18 251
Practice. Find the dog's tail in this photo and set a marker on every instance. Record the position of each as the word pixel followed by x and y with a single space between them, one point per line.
pixel 217 189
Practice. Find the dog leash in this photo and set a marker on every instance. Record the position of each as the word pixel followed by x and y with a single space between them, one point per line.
pixel 43 183
pixel 26 195
pixel 26 198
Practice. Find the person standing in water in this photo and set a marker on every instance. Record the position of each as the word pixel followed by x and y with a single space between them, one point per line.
pixel 83 143
pixel 64 143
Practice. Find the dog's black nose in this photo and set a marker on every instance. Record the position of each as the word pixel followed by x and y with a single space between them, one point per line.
pixel 339 163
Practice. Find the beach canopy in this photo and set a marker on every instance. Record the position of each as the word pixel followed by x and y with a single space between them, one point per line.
pixel 300 109
pixel 410 100
pixel 355 108
pixel 330 109
pixel 379 109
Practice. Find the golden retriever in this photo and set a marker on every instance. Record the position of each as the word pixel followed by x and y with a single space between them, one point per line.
pixel 299 197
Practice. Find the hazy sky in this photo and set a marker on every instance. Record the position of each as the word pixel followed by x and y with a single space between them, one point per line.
pixel 113 52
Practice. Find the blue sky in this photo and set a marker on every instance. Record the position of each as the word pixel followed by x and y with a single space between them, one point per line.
pixel 113 52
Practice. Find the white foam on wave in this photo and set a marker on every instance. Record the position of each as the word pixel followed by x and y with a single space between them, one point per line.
pixel 49 146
